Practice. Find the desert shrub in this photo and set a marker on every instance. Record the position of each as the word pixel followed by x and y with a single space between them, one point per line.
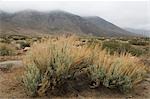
pixel 6 49
pixel 93 42
pixel 2 40
pixel 136 52
pixel 101 38
pixel 23 44
pixel 31 80
pixel 115 46
pixel 123 39
pixel 51 63
pixel 146 38
pixel 17 37
pixel 121 72
pixel 138 42
pixel 56 62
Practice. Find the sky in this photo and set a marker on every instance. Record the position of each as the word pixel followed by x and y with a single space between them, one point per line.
pixel 131 14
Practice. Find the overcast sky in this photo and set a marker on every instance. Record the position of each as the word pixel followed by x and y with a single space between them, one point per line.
pixel 133 14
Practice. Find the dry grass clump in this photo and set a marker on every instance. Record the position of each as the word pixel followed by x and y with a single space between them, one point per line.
pixel 56 61
pixel 50 63
pixel 121 72
pixel 6 49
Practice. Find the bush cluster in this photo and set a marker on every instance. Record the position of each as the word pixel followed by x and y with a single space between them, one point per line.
pixel 50 63
pixel 138 42
pixel 117 72
pixel 115 46
pixel 6 49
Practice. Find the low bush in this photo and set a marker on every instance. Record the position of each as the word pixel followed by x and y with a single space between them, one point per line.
pixel 50 63
pixel 6 49
pixel 56 62
pixel 23 44
pixel 31 80
pixel 115 46
pixel 123 72
pixel 17 37
pixel 138 42
pixel 2 40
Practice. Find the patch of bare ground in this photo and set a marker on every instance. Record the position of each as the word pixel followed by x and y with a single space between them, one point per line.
pixel 10 87
pixel 5 58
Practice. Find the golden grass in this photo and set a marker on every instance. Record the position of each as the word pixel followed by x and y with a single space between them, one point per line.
pixel 118 71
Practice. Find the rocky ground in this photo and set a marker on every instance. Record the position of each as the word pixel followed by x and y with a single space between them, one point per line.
pixel 10 86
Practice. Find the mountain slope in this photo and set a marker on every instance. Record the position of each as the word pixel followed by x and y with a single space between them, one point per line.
pixel 139 31
pixel 109 27
pixel 31 22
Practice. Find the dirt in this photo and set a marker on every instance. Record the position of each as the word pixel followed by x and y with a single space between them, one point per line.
pixel 5 58
pixel 10 87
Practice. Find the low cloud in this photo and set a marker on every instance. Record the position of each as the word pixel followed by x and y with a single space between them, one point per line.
pixel 134 14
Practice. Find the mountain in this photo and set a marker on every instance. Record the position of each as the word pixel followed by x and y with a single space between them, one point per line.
pixel 107 26
pixel 30 22
pixel 139 31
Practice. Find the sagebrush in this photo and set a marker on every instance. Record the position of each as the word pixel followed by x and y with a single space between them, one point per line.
pixel 6 49
pixel 51 62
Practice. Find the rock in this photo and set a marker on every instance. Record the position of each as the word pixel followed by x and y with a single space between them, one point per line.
pixel 5 67
pixel 129 97
pixel 10 64
pixel 26 49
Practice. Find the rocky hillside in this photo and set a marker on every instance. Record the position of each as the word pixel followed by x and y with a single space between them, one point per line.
pixel 29 22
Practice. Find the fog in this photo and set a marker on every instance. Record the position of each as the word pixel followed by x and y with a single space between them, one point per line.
pixel 132 14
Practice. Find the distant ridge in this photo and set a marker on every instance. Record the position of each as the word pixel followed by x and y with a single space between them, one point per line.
pixel 139 31
pixel 31 22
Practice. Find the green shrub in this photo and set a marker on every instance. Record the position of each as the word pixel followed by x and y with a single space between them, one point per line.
pixel 119 73
pixel 23 44
pixel 4 40
pixel 123 39
pixel 138 42
pixel 6 49
pixel 115 46
pixel 17 37
pixel 31 79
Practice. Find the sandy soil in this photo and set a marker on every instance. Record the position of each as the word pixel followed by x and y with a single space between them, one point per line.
pixel 10 87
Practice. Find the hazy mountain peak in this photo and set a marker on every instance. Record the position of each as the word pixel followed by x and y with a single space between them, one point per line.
pixel 60 12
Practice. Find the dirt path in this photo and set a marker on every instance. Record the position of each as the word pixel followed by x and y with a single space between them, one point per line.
pixel 10 87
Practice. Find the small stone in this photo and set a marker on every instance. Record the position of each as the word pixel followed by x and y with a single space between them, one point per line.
pixel 129 96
